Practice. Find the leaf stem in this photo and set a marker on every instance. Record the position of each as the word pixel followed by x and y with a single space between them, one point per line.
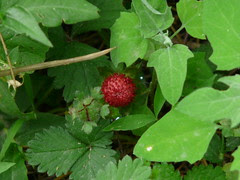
pixel 55 63
pixel 176 32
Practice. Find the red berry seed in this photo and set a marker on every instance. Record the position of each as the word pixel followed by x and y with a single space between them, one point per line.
pixel 118 90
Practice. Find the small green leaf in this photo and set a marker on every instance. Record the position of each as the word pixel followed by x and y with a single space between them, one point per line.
pixel 126 169
pixel 158 101
pixel 165 172
pixel 232 143
pixel 125 35
pixel 190 14
pixel 155 16
pixel 220 22
pixel 171 67
pixel 236 161
pixel 104 110
pixel 205 172
pixel 131 122
pixel 187 137
pixel 22 21
pixel 52 13
pixel 4 166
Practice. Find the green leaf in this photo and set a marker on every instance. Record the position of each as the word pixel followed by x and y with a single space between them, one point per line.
pixel 79 76
pixel 52 13
pixel 7 103
pixel 190 14
pixel 209 105
pixel 171 67
pixel 199 74
pixel 232 143
pixel 131 122
pixel 158 101
pixel 205 172
pixel 12 132
pixel 109 12
pixel 126 169
pixel 220 22
pixel 155 16
pixel 104 110
pixel 230 175
pixel 4 166
pixel 165 172
pixel 42 120
pixel 236 161
pixel 22 21
pixel 82 156
pixel 19 170
pixel 176 137
pixel 214 153
pixel 125 35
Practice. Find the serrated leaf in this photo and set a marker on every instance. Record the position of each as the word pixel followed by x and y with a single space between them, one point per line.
pixel 131 122
pixel 7 103
pixel 4 166
pixel 158 101
pixel 205 172
pixel 109 12
pixel 236 162
pixel 176 137
pixel 126 169
pixel 220 22
pixel 79 76
pixel 155 16
pixel 22 21
pixel 52 13
pixel 125 35
pixel 165 172
pixel 171 67
pixel 209 105
pixel 190 14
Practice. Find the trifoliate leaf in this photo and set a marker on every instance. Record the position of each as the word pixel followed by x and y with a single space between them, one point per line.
pixel 79 76
pixel 52 13
pixel 126 169
pixel 171 67
pixel 236 161
pixel 125 35
pixel 205 172
pixel 165 172
pixel 220 19
pixel 190 14
pixel 21 21
pixel 109 12
pixel 155 16
pixel 176 137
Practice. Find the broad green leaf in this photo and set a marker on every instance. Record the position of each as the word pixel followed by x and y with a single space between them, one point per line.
pixel 7 103
pixel 165 172
pixel 176 137
pixel 154 15
pixel 199 74
pixel 205 172
pixel 209 105
pixel 43 120
pixel 11 134
pixel 19 170
pixel 190 14
pixel 125 35
pixel 236 161
pixel 221 25
pixel 52 13
pixel 6 4
pixel 79 76
pixel 158 101
pixel 126 169
pixel 109 12
pixel 5 166
pixel 171 67
pixel 22 21
pixel 131 122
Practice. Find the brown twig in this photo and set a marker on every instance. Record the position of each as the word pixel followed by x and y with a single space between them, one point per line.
pixel 8 60
pixel 55 63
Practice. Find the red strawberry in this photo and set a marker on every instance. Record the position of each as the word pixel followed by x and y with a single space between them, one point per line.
pixel 118 90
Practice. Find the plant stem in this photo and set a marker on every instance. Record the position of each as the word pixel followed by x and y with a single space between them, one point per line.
pixel 55 63
pixel 8 60
pixel 176 32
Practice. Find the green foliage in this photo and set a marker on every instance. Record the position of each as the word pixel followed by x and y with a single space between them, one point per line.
pixel 158 101
pixel 4 166
pixel 236 162
pixel 165 172
pixel 126 169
